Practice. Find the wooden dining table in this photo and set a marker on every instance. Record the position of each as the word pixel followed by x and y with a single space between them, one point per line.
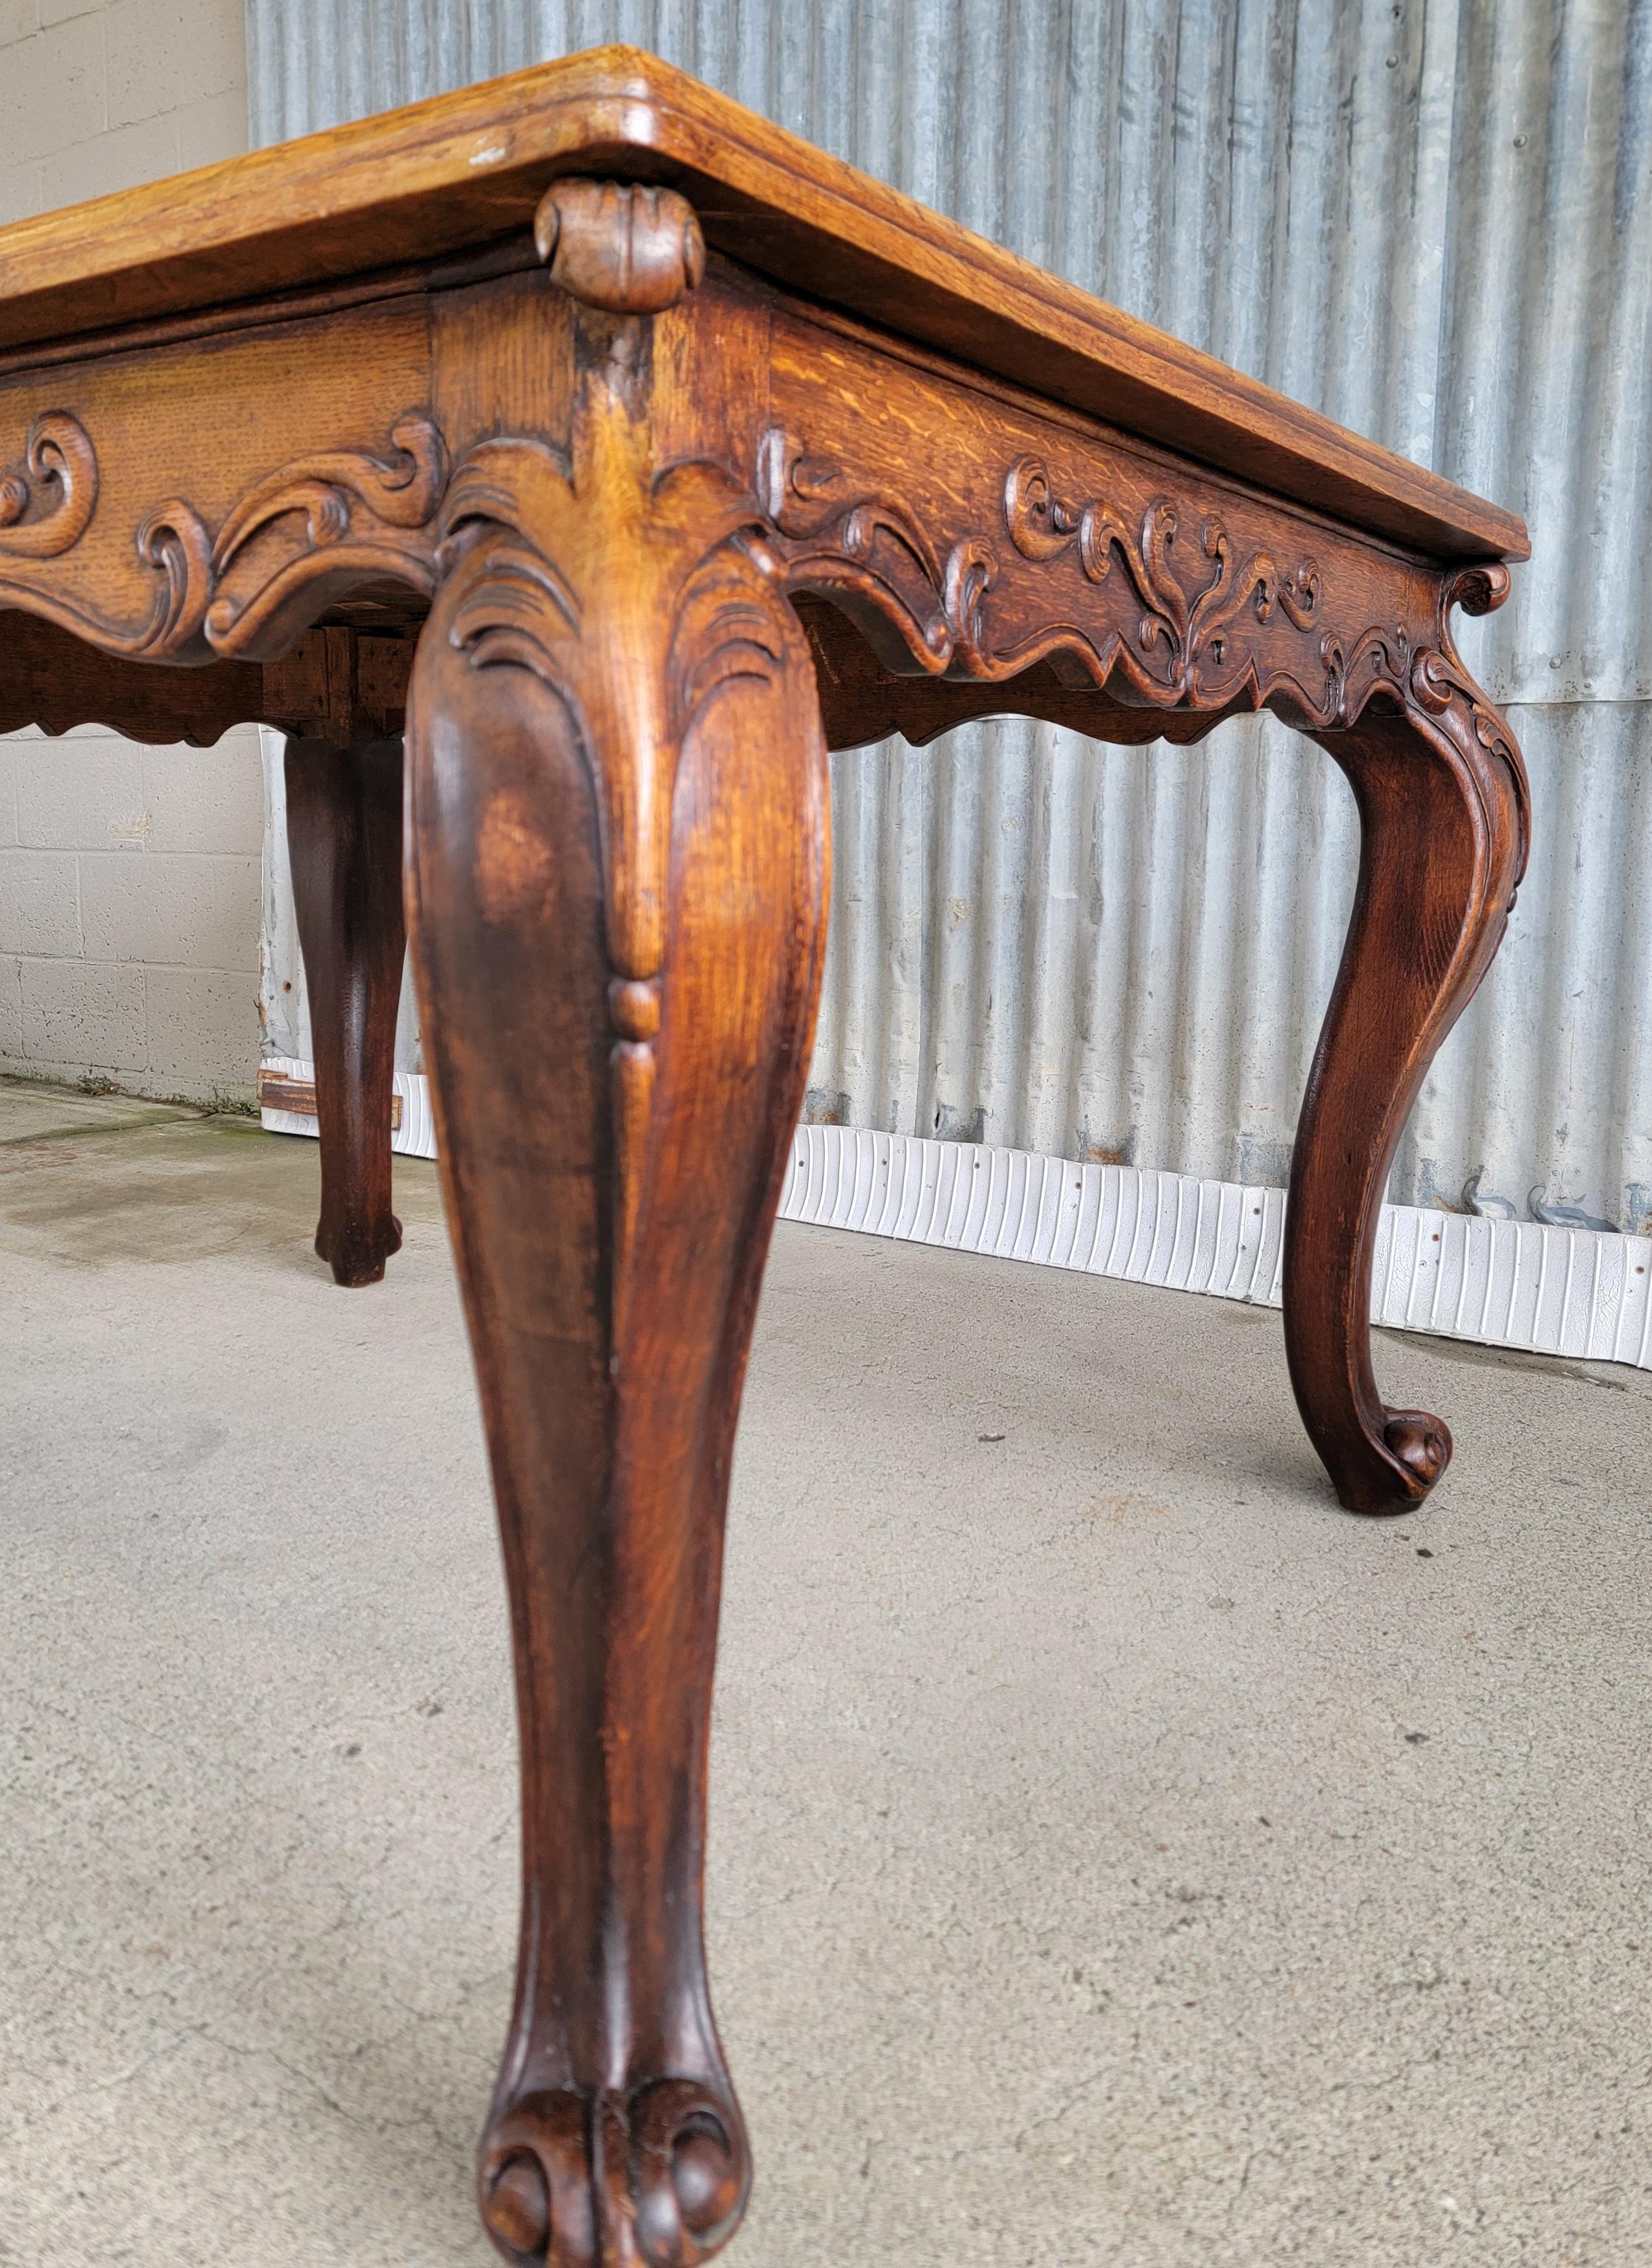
pixel 565 465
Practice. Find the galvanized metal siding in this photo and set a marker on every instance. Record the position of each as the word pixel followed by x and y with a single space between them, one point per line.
pixel 1433 221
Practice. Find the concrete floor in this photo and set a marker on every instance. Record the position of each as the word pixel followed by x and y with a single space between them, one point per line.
pixel 1119 1855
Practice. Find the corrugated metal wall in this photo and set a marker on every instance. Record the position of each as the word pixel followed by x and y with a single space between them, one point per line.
pixel 1430 218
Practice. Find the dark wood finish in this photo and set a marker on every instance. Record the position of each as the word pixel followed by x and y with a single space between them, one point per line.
pixel 1443 832
pixel 340 684
pixel 618 878
pixel 662 485
pixel 344 841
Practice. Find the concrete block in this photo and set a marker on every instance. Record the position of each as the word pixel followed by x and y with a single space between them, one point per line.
pixel 78 794
pixel 204 1033
pixel 122 159
pixel 162 57
pixel 39 906
pixel 54 89
pixel 97 96
pixel 19 191
pixel 135 908
pixel 11 1006
pixel 89 1014
pixel 8 791
pixel 237 909
pixel 212 127
pixel 176 911
pixel 206 799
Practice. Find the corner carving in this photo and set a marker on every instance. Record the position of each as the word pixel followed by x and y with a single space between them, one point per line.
pixel 624 247
pixel 634 595
pixel 1438 675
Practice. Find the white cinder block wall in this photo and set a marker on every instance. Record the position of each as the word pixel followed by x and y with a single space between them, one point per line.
pixel 130 878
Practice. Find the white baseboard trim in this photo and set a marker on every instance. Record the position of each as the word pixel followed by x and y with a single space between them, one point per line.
pixel 1576 1293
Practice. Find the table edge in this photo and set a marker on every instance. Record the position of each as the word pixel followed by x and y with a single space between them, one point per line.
pixel 434 177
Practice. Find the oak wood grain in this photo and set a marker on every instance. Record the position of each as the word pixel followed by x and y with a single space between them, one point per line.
pixel 467 167
pixel 618 807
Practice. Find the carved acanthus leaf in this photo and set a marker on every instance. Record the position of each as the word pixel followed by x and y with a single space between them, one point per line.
pixel 636 596
pixel 544 594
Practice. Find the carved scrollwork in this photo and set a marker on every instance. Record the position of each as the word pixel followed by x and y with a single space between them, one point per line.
pixel 1438 678
pixel 1198 629
pixel 662 2173
pixel 345 510
pixel 1181 640
pixel 338 516
pixel 172 543
pixel 868 545
pixel 1429 678
pixel 1439 675
pixel 1185 623
pixel 1432 675
pixel 59 474
pixel 45 510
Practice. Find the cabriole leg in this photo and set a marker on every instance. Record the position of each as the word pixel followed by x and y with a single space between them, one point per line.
pixel 344 839
pixel 617 875
pixel 1442 842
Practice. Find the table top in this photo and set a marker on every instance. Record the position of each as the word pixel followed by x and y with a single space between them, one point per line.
pixel 467 169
